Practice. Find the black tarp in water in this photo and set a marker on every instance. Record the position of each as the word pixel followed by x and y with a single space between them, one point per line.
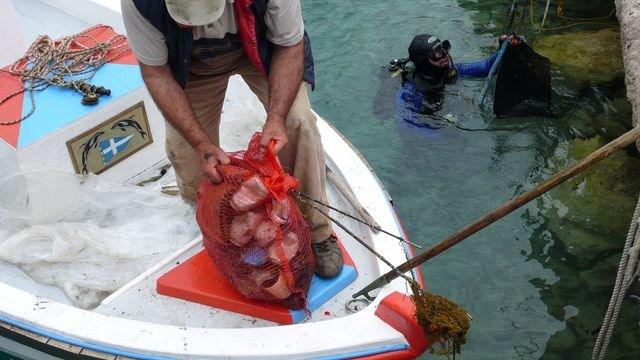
pixel 523 85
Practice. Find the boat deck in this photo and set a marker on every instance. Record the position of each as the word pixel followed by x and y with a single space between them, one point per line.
pixel 140 301
pixel 38 17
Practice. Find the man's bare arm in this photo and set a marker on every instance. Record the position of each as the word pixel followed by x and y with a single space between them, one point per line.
pixel 173 102
pixel 285 76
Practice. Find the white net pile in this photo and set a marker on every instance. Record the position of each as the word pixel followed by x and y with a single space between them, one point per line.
pixel 84 235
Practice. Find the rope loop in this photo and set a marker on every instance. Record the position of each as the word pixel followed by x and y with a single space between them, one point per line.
pixel 68 63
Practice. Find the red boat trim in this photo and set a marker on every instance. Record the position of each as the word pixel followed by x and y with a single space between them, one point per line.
pixel 398 311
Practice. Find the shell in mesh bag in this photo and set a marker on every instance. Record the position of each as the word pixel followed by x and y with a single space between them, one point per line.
pixel 253 229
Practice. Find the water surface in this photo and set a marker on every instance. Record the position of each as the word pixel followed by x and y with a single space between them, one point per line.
pixel 533 291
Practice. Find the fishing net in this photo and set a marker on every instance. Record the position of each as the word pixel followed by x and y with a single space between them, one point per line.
pixel 83 235
pixel 523 85
pixel 253 229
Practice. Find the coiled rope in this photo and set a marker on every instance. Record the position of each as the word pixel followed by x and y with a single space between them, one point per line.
pixel 627 272
pixel 62 63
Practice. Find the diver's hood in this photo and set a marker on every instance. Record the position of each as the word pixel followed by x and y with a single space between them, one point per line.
pixel 419 51
pixel 422 45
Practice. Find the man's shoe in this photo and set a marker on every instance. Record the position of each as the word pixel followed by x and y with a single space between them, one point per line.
pixel 329 258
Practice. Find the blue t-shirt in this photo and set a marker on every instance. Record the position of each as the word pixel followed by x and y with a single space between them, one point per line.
pixel 476 69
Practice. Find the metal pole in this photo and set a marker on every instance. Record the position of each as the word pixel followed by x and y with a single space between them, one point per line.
pixel 496 63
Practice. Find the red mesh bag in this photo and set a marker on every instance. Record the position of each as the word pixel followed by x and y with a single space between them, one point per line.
pixel 253 229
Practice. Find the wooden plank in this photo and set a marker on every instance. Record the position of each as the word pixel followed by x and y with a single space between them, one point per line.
pixel 30 335
pixel 5 325
pixel 64 346
pixel 97 354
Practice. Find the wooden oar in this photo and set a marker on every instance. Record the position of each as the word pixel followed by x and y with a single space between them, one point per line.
pixel 502 211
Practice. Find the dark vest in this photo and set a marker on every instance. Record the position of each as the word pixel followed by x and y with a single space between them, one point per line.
pixel 252 29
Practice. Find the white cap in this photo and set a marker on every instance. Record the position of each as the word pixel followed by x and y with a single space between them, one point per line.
pixel 195 12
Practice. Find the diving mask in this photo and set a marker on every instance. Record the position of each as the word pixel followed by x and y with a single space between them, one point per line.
pixel 438 53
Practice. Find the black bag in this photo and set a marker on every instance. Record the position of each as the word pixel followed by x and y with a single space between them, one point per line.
pixel 523 85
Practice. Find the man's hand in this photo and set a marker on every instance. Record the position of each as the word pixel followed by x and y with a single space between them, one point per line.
pixel 275 130
pixel 513 39
pixel 210 156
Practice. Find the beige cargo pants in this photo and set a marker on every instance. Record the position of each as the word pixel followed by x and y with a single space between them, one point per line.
pixel 303 157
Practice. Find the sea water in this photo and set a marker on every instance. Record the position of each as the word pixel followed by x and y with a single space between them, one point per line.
pixel 537 283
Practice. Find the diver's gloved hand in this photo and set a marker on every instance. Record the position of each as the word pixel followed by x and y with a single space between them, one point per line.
pixel 513 39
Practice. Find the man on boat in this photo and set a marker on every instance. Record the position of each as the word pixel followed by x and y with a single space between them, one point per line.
pixel 187 51
pixel 429 68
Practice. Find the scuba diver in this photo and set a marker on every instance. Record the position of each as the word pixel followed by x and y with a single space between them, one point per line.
pixel 426 72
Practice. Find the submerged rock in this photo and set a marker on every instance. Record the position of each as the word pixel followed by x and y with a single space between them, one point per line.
pixel 590 56
pixel 601 199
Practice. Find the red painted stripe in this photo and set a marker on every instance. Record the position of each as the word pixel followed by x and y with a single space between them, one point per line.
pixel 104 33
pixel 126 59
pixel 347 257
pixel 398 311
pixel 11 109
pixel 198 280
pixel 392 355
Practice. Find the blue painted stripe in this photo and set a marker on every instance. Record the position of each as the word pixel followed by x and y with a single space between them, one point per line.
pixel 76 342
pixel 367 352
pixel 297 316
pixel 114 351
pixel 57 107
pixel 321 290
